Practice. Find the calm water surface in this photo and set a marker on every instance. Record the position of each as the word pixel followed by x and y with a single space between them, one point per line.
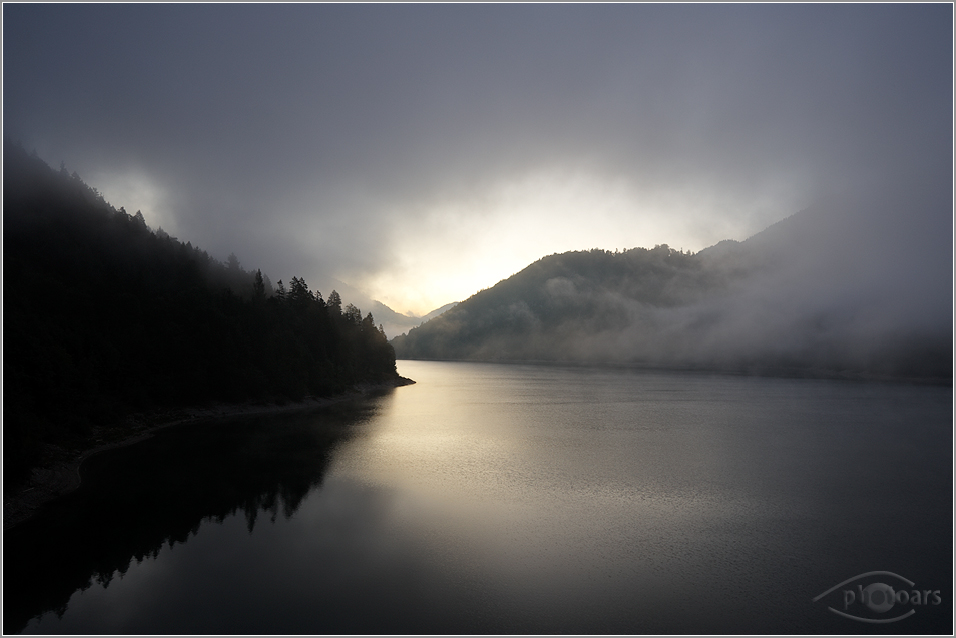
pixel 509 499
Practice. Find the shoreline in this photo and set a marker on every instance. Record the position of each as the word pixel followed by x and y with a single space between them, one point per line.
pixel 822 374
pixel 62 476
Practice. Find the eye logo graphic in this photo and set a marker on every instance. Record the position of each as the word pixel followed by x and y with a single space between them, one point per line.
pixel 874 599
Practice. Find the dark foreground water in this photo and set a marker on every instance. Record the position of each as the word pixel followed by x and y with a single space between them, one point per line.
pixel 514 499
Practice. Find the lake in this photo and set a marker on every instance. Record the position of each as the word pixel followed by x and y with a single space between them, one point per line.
pixel 495 498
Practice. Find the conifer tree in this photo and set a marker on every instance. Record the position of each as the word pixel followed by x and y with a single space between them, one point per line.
pixel 258 286
pixel 335 303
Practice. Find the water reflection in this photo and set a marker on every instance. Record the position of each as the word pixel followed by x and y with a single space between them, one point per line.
pixel 515 499
pixel 136 500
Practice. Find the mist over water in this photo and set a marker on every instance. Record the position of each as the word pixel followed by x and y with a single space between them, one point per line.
pixel 857 285
pixel 495 498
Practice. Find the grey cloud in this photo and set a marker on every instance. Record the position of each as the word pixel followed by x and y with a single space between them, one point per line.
pixel 263 121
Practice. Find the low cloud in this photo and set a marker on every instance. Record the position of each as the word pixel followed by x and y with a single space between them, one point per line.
pixel 321 140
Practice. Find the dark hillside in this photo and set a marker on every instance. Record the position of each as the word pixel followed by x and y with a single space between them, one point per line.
pixel 817 294
pixel 102 317
pixel 536 313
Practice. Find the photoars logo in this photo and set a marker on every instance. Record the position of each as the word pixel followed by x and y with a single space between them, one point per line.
pixel 877 602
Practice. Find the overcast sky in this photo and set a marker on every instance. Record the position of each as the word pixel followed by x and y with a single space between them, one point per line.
pixel 423 152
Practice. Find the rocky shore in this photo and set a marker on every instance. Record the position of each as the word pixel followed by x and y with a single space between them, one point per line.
pixel 60 475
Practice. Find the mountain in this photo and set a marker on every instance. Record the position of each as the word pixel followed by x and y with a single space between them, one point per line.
pixel 393 322
pixel 848 287
pixel 104 317
pixel 437 311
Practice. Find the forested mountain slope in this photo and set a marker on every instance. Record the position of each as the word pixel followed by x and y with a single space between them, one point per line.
pixel 818 293
pixel 103 316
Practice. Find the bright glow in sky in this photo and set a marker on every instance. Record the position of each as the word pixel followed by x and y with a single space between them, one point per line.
pixel 421 152
pixel 135 190
pixel 448 249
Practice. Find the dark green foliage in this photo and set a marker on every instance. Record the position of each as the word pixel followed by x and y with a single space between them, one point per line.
pixel 103 316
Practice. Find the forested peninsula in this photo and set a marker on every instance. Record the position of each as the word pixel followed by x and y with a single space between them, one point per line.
pixel 105 318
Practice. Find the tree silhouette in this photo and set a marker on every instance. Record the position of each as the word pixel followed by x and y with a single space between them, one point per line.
pixel 140 321
pixel 335 303
pixel 258 286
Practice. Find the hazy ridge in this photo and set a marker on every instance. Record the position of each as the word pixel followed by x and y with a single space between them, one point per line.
pixel 834 290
